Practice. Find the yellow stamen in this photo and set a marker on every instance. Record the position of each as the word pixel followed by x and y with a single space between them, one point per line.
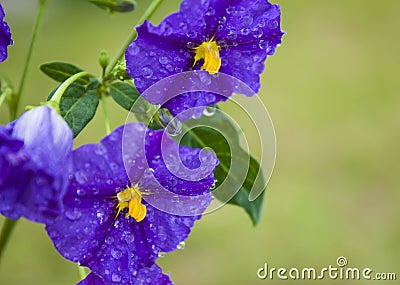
pixel 209 52
pixel 131 198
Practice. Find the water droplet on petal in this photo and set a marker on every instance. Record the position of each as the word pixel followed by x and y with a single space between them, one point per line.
pixel 80 192
pixel 210 110
pixel 263 44
pixel 109 240
pixel 181 245
pixel 174 127
pixel 273 24
pixel 257 33
pixel 190 45
pixel 147 72
pixel 116 277
pixel 116 253
pixel 222 20
pixel 245 31
pixel 230 10
pixel 73 214
pixel 163 60
pixel 133 49
pixel 81 177
pixel 191 34
pixel 161 254
pixel 209 97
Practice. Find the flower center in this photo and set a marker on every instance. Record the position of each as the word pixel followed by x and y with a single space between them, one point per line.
pixel 131 198
pixel 209 52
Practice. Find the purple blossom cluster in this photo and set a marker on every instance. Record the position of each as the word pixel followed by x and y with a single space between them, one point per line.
pixel 115 206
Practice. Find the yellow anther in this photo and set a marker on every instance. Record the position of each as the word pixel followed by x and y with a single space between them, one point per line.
pixel 131 198
pixel 209 52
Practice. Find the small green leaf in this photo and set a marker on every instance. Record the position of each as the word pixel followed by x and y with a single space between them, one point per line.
pixel 78 106
pixel 124 94
pixel 237 170
pixel 61 71
pixel 115 5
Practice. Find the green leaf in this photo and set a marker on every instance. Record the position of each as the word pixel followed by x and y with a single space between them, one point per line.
pixel 78 106
pixel 61 71
pixel 124 94
pixel 115 5
pixel 238 173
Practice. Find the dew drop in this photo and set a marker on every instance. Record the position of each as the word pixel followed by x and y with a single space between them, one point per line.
pixel 244 31
pixel 109 240
pixel 129 237
pixel 73 214
pixel 209 98
pixel 116 253
pixel 80 177
pixel 230 10
pixel 190 45
pixel 212 187
pixel 181 245
pixel 223 44
pixel 263 44
pixel 169 67
pixel 114 166
pixel 139 83
pixel 210 110
pixel 163 60
pixel 116 277
pixel 257 33
pixel 247 20
pixel 133 49
pixel 174 127
pixel 191 34
pixel 147 72
pixel 273 24
pixel 161 254
pixel 81 192
pixel 210 11
pixel 222 20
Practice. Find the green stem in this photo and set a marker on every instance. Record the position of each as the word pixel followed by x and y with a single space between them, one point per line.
pixel 147 14
pixel 4 95
pixel 38 20
pixel 61 89
pixel 6 231
pixel 105 112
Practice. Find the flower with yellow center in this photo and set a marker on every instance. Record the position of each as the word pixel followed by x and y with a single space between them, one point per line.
pixel 209 52
pixel 131 198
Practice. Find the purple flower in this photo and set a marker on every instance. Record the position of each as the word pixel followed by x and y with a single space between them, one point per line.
pixel 35 158
pixel 229 36
pixel 5 36
pixel 132 196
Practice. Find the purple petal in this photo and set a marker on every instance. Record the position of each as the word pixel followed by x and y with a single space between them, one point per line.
pixel 147 275
pixel 148 61
pixel 36 160
pixel 5 36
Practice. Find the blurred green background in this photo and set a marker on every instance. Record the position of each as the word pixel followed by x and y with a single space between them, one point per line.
pixel 332 90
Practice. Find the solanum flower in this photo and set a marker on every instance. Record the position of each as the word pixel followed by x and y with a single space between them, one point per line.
pixel 35 159
pixel 133 195
pixel 5 36
pixel 230 36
